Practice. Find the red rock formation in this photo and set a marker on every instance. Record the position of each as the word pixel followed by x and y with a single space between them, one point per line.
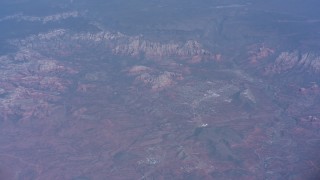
pixel 258 52
pixel 29 80
pixel 118 44
pixel 286 61
pixel 158 81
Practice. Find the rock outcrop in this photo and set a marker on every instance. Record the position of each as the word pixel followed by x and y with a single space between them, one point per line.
pixel 152 78
pixel 116 43
pixel 258 52
pixel 29 81
pixel 44 20
pixel 309 62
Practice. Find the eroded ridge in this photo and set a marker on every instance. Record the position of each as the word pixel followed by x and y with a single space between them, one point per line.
pixel 117 43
